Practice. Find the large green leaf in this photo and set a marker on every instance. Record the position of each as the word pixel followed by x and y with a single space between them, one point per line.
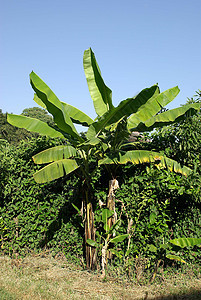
pixel 39 101
pixel 119 238
pixel 144 156
pixel 54 154
pixel 33 125
pixel 55 170
pixel 186 242
pixel 125 108
pixel 100 93
pixel 169 117
pixel 76 115
pixel 53 105
pixel 152 107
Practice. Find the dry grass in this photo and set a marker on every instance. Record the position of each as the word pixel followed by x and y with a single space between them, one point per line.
pixel 43 277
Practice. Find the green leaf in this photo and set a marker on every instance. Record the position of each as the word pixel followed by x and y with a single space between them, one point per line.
pixel 33 125
pixel 119 238
pixel 152 218
pixel 175 257
pixel 144 156
pixel 152 107
pixel 92 243
pixel 152 248
pixel 55 170
pixel 39 101
pixel 76 208
pixel 53 105
pixel 125 108
pixel 114 227
pixel 100 93
pixel 169 117
pixel 186 242
pixel 119 254
pixel 54 154
pixel 76 115
pixel 106 214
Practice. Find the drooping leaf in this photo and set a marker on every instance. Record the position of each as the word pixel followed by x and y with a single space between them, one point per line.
pixel 54 154
pixel 144 156
pixel 33 125
pixel 168 117
pixel 100 93
pixel 186 242
pixel 175 257
pixel 119 238
pixel 152 107
pixel 55 170
pixel 53 105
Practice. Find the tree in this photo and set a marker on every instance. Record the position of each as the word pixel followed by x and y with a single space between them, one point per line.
pixel 82 153
pixel 38 113
pixel 13 134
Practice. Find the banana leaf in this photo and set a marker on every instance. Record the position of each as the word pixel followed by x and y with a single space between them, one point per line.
pixel 152 107
pixel 53 105
pixel 125 108
pixel 186 242
pixel 76 115
pixel 33 125
pixel 55 170
pixel 175 257
pixel 54 154
pixel 119 238
pixel 144 156
pixel 100 93
pixel 169 117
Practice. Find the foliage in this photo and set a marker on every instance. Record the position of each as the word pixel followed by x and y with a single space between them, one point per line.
pixel 33 216
pixel 103 143
pixel 13 134
pixel 106 237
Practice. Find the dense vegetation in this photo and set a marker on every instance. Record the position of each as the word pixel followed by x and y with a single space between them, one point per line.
pixel 162 205
pixel 158 172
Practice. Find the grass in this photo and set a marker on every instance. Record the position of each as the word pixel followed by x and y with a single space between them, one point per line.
pixel 44 277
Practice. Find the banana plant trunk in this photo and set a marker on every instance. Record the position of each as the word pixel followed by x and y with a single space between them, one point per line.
pixel 89 233
pixel 113 185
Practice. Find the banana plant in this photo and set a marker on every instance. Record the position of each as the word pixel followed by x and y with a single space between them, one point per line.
pixel 100 142
pixel 106 238
pixel 170 250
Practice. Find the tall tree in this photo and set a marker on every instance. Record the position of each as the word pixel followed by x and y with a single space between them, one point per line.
pixel 137 113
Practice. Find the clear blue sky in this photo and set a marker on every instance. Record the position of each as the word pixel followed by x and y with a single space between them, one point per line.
pixel 137 43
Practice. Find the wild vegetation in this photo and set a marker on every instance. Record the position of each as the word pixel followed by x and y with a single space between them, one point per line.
pixel 149 220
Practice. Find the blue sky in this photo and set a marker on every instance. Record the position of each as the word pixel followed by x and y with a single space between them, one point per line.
pixel 137 43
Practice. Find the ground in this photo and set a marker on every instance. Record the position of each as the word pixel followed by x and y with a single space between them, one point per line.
pixel 44 277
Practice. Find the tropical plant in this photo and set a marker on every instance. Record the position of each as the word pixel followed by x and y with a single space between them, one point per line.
pixel 103 142
pixel 171 249
pixel 106 237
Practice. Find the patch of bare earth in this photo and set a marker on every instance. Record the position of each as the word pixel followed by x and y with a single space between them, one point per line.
pixel 38 277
